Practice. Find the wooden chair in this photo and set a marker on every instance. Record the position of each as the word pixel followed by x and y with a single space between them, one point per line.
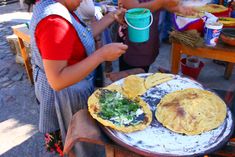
pixel 83 128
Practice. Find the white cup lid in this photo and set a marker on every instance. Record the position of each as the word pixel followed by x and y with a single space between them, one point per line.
pixel 214 25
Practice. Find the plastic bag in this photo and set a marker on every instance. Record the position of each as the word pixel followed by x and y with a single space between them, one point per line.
pixel 184 23
pixel 188 23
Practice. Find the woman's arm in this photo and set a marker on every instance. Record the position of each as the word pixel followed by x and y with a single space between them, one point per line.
pixel 152 5
pixel 60 75
pixel 170 5
pixel 183 10
pixel 99 26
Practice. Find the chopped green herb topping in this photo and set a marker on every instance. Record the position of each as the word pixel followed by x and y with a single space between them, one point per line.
pixel 119 109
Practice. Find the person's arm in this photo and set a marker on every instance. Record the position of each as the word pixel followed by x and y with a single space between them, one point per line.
pixel 183 10
pixel 60 75
pixel 170 5
pixel 152 5
pixel 56 52
pixel 99 26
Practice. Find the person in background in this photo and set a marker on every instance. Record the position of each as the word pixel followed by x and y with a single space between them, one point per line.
pixel 142 55
pixel 232 5
pixel 87 11
pixel 91 13
pixel 64 60
pixel 165 26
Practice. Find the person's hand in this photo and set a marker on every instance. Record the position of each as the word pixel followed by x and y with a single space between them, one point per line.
pixel 111 52
pixel 183 10
pixel 118 15
pixel 177 7
pixel 168 4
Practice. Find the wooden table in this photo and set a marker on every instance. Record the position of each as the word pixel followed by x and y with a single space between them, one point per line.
pixel 22 32
pixel 220 52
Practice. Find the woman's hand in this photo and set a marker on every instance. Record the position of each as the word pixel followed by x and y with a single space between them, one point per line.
pixel 111 52
pixel 183 10
pixel 61 75
pixel 177 7
pixel 99 26
pixel 168 4
pixel 118 15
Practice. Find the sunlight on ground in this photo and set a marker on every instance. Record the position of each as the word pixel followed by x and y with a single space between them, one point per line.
pixel 15 16
pixel 21 133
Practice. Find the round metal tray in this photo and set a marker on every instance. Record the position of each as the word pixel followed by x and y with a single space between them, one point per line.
pixel 158 140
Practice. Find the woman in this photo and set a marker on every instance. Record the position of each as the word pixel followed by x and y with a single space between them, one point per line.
pixel 64 62
pixel 142 55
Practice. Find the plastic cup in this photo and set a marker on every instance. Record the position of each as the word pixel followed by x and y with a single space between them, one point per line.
pixel 212 33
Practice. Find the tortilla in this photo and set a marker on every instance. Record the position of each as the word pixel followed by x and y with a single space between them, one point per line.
pixel 227 21
pixel 112 109
pixel 197 15
pixel 191 111
pixel 114 87
pixel 156 79
pixel 133 86
pixel 212 8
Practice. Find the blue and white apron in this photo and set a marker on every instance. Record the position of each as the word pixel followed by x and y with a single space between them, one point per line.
pixel 56 108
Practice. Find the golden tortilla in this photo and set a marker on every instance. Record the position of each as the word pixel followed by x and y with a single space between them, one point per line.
pixel 133 86
pixel 197 15
pixel 212 8
pixel 94 109
pixel 114 87
pixel 227 21
pixel 156 79
pixel 191 111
